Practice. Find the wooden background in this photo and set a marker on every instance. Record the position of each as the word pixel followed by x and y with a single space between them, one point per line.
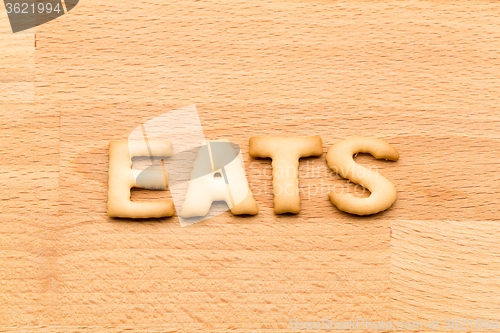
pixel 424 75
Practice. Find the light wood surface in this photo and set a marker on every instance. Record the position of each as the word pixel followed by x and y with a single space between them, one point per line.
pixel 17 63
pixel 424 75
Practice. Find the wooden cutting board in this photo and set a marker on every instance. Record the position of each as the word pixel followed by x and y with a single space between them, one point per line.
pixel 423 75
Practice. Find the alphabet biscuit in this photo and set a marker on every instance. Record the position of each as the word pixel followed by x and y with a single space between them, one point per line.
pixel 121 179
pixel 218 176
pixel 340 159
pixel 285 153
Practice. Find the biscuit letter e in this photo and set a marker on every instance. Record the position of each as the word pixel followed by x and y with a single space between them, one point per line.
pixel 121 179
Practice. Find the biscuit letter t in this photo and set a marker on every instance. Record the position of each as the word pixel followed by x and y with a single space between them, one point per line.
pixel 285 153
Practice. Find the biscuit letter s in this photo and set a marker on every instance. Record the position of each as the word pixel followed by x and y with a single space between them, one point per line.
pixel 285 153
pixel 383 192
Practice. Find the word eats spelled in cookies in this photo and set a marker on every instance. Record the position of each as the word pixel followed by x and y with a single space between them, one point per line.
pixel 217 175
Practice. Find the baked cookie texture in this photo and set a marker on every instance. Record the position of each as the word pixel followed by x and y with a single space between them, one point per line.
pixel 218 175
pixel 340 159
pixel 121 179
pixel 285 154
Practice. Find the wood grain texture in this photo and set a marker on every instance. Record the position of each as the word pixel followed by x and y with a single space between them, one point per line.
pixel 17 63
pixel 423 75
pixel 439 266
pixel 30 158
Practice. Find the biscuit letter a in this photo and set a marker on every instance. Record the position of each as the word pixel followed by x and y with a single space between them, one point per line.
pixel 218 176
